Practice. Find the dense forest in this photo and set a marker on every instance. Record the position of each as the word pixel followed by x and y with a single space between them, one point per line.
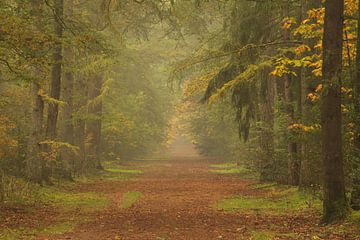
pixel 271 86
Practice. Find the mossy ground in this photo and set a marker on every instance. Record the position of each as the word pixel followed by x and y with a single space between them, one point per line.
pixel 277 201
pixel 128 199
pixel 66 199
pixel 233 168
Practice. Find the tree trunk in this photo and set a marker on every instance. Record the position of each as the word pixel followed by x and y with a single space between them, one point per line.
pixel 334 203
pixel 53 110
pixel 93 125
pixel 267 128
pixel 355 193
pixel 289 102
pixel 67 155
pixel 294 163
pixel 35 161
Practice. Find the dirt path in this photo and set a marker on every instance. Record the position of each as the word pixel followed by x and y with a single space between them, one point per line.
pixel 178 203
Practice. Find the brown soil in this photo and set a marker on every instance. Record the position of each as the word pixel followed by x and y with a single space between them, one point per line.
pixel 178 203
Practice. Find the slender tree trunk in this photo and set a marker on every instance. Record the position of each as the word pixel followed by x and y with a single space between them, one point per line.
pixel 55 86
pixel 289 102
pixel 93 125
pixel 355 193
pixel 68 155
pixel 80 111
pixel 53 110
pixel 294 163
pixel 335 203
pixel 35 161
pixel 267 129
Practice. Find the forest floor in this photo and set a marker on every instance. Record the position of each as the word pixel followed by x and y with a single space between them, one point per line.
pixel 176 198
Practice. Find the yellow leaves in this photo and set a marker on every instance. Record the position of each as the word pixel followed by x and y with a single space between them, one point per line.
pixel 344 109
pixel 350 7
pixel 288 22
pixel 303 128
pixel 280 70
pixel 313 97
pixel 302 49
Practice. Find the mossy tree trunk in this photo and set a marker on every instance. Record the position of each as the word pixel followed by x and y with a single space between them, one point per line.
pixel 334 203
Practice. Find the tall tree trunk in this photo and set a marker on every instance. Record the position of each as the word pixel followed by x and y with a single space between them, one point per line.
pixel 93 125
pixel 334 203
pixel 355 193
pixel 35 161
pixel 55 86
pixel 289 102
pixel 267 129
pixel 294 163
pixel 80 108
pixel 67 155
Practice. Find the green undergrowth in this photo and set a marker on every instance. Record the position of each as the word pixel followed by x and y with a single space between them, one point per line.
pixel 32 234
pixel 128 199
pixel 114 171
pixel 355 218
pixel 69 200
pixel 269 235
pixel 233 168
pixel 275 199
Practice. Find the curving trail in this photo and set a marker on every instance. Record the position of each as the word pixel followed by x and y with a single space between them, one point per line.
pixel 178 203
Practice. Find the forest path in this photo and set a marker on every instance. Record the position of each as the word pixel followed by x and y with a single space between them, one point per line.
pixel 178 202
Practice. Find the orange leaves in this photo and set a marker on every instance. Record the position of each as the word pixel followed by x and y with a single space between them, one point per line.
pixel 288 22
pixel 303 128
pixel 303 48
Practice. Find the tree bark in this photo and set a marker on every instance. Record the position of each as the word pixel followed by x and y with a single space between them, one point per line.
pixel 81 90
pixel 35 161
pixel 67 155
pixel 334 203
pixel 355 193
pixel 93 125
pixel 267 129
pixel 53 109
pixel 294 163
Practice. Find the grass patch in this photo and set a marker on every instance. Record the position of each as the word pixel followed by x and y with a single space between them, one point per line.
pixel 58 229
pixel 125 171
pixel 257 235
pixel 116 172
pixel 279 202
pixel 355 218
pixel 16 234
pixel 224 165
pixel 129 199
pixel 87 201
pixel 30 234
pixel 233 168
